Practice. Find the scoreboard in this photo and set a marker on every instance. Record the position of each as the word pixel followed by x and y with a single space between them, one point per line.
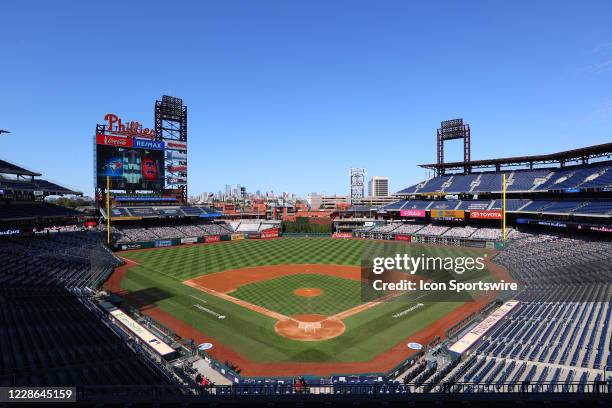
pixel 448 215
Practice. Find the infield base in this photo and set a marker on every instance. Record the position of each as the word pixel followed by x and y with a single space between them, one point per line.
pixel 310 327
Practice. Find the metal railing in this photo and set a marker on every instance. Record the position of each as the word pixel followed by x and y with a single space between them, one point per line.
pixel 339 390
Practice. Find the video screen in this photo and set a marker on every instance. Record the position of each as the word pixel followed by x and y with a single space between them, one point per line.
pixel 129 168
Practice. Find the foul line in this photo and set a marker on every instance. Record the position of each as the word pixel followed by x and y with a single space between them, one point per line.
pixel 278 316
pixel 240 302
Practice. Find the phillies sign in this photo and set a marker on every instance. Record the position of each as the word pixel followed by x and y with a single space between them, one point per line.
pixel 486 214
pixel 115 125
pixel 120 141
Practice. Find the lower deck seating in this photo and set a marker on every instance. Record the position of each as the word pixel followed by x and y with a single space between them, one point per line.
pixel 50 332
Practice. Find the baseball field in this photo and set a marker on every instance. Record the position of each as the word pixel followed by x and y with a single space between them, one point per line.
pixel 288 306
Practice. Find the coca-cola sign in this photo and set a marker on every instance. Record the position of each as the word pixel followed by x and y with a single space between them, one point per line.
pixel 120 141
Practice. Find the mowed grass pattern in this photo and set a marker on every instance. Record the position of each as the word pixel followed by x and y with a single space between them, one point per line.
pixel 186 262
pixel 252 334
pixel 277 294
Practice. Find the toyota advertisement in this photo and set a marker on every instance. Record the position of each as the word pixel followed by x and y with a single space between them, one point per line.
pixel 486 214
pixel 131 163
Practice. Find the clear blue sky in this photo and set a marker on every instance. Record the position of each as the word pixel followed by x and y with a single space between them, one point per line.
pixel 287 95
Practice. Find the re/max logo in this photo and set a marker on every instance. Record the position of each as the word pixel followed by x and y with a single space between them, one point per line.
pixel 148 144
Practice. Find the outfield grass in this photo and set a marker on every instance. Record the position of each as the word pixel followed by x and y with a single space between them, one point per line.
pixel 186 262
pixel 162 271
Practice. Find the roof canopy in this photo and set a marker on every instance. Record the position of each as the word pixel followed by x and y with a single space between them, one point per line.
pixel 576 155
pixel 10 168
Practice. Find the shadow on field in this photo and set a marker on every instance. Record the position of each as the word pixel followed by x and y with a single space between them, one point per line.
pixel 146 298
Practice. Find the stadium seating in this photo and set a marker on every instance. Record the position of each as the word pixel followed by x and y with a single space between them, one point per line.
pixel 32 185
pixel 588 206
pixel 460 183
pixel 54 339
pixel 49 336
pixel 443 205
pixel 460 232
pixel 18 211
pixel 252 226
pixel 124 235
pixel 511 204
pixel 474 205
pixel 72 260
pixel 594 208
pixel 524 180
pixel 384 229
pixel 598 175
pixel 488 234
pixel 432 230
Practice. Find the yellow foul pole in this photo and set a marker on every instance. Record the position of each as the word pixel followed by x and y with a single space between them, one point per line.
pixel 504 205
pixel 108 214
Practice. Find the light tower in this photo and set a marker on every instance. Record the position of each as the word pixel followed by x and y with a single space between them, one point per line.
pixel 171 127
pixel 357 183
pixel 449 130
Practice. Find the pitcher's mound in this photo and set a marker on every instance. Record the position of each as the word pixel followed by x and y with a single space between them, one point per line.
pixel 308 292
pixel 310 327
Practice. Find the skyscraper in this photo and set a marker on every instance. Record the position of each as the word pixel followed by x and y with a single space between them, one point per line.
pixel 378 186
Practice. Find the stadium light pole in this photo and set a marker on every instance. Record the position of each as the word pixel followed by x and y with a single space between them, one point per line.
pixel 504 205
pixel 108 216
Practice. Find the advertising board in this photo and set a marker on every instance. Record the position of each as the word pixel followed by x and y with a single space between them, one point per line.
pixel 270 233
pixel 175 145
pixel 449 215
pixel 126 247
pixel 175 155
pixel 412 213
pixel 163 243
pixel 403 237
pixel 211 238
pixel 148 144
pixel 189 240
pixel 486 214
pixel 10 231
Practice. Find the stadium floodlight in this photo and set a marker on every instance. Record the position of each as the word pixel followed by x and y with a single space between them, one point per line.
pixel 450 130
pixel 357 176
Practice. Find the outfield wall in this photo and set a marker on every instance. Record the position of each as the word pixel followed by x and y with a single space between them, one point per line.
pixel 275 233
pixel 164 243
pixel 430 239
pixel 206 239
